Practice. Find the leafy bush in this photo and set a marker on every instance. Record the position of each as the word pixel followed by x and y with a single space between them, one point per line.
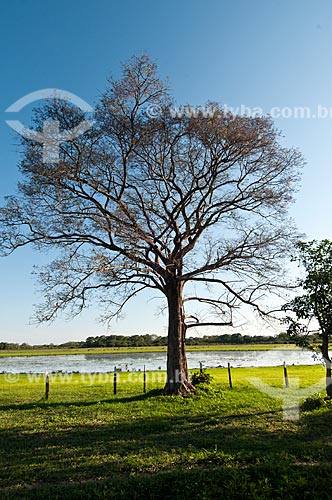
pixel 313 403
pixel 202 377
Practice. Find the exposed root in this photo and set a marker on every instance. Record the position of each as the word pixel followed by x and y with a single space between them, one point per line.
pixel 179 388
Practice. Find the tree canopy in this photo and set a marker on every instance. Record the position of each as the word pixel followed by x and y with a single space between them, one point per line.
pixel 193 207
pixel 313 310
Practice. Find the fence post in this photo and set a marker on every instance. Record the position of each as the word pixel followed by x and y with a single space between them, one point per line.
pixel 200 368
pixel 229 375
pixel 47 385
pixel 286 375
pixel 144 381
pixel 114 381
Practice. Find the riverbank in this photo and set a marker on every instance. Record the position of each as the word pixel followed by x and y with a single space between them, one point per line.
pixel 145 349
pixel 84 442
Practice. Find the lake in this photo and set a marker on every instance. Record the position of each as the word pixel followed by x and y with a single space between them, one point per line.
pixel 102 363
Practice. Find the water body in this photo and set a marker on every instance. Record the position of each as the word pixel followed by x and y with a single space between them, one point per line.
pixel 103 363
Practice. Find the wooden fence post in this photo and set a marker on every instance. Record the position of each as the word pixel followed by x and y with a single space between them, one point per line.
pixel 114 381
pixel 47 385
pixel 229 375
pixel 144 381
pixel 286 375
pixel 200 368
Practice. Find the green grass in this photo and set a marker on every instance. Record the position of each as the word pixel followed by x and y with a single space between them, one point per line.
pixel 114 350
pixel 84 442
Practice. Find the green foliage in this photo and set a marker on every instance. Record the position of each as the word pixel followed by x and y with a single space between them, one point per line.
pixel 316 303
pixel 313 403
pixel 155 340
pixel 201 377
pixel 316 402
pixel 116 341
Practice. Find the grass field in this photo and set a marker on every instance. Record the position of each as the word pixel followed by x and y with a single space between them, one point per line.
pixel 114 350
pixel 84 442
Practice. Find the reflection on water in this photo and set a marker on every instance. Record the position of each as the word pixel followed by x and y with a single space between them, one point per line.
pixel 101 363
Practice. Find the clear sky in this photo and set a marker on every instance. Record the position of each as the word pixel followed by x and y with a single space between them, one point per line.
pixel 258 53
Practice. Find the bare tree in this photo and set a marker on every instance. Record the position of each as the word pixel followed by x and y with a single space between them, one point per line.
pixel 193 207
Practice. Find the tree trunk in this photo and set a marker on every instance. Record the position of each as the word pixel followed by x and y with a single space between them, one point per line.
pixel 328 379
pixel 325 352
pixel 178 381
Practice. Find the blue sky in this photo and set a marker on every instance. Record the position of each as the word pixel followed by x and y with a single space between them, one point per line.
pixel 260 53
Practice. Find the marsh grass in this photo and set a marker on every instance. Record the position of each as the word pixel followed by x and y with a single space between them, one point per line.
pixel 123 350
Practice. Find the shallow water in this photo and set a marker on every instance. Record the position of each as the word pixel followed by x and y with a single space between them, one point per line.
pixel 102 363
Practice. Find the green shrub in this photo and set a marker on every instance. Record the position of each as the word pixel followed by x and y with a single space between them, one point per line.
pixel 201 377
pixel 313 403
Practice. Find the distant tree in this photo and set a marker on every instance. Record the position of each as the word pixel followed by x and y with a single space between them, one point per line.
pixel 313 310
pixel 158 202
pixel 8 346
pixel 71 345
pixel 282 338
pixel 237 338
pixel 25 346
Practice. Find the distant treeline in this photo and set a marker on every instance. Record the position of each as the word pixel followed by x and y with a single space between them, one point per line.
pixel 153 340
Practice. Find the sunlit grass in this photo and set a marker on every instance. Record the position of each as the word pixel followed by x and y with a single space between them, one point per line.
pixel 86 442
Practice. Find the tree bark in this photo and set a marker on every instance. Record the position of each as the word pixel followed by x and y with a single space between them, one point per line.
pixel 178 381
pixel 325 352
pixel 328 379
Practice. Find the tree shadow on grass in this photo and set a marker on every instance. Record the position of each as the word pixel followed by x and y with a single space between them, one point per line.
pixel 222 438
pixel 168 457
pixel 253 483
pixel 164 458
pixel 48 403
